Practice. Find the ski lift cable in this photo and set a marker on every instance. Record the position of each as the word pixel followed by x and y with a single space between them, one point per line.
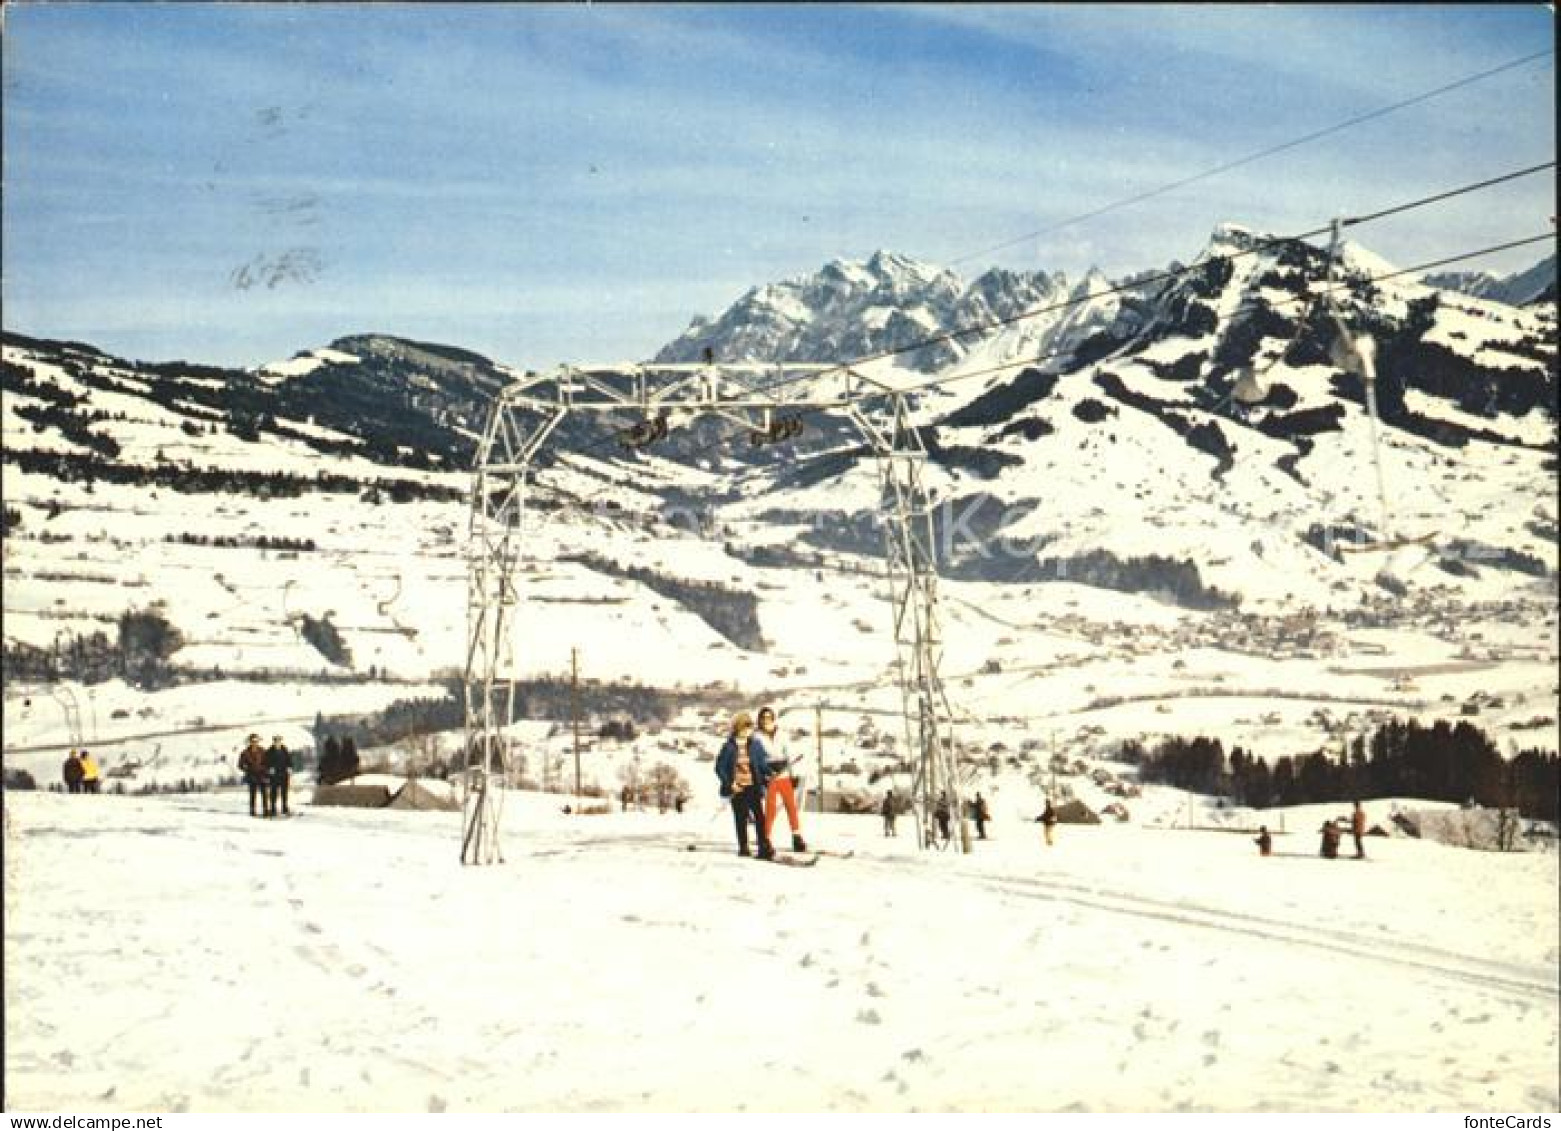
pixel 1259 155
pixel 1382 214
pixel 1138 284
pixel 1357 355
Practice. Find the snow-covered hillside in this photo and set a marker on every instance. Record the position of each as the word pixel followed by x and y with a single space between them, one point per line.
pixel 343 961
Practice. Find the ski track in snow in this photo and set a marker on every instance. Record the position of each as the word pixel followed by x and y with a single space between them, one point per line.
pixel 179 955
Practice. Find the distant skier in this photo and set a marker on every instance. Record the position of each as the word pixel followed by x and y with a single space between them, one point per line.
pixel 1358 830
pixel 90 781
pixel 71 771
pixel 279 768
pixel 1048 819
pixel 941 815
pixel 1264 842
pixel 783 783
pixel 743 774
pixel 252 764
pixel 983 815
pixel 889 814
pixel 1330 841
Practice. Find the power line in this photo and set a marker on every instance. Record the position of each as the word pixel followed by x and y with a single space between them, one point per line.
pixel 1226 167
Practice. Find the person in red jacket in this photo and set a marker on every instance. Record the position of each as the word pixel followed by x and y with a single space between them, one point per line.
pixel 783 784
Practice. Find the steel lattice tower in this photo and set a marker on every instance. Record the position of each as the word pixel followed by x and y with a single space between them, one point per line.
pixel 523 418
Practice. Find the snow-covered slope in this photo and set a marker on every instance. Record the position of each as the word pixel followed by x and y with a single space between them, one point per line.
pixel 168 955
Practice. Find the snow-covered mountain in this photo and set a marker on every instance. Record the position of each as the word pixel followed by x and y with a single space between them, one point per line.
pixel 852 309
pixel 1522 288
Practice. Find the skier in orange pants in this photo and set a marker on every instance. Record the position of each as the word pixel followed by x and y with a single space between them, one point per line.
pixel 783 786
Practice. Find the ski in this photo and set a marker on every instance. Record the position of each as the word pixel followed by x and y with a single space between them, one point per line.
pixel 795 859
pixel 846 855
pixel 790 859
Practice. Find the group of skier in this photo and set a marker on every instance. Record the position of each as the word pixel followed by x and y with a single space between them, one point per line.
pixel 758 777
pixel 1331 835
pixel 266 771
pixel 81 773
pixel 756 774
pixel 942 817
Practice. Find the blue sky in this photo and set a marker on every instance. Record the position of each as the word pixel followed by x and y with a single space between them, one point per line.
pixel 232 183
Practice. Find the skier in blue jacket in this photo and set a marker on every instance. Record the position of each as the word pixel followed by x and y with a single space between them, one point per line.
pixel 744 774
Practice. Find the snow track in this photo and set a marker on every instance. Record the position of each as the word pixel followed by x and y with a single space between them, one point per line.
pixel 1522 982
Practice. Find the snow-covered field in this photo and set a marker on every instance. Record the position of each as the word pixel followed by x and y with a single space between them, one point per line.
pixel 168 954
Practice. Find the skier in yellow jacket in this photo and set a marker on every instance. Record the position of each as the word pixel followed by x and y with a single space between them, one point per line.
pixel 91 782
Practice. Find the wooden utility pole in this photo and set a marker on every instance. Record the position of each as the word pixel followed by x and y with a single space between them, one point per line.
pixel 574 708
pixel 818 745
pixel 1052 766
